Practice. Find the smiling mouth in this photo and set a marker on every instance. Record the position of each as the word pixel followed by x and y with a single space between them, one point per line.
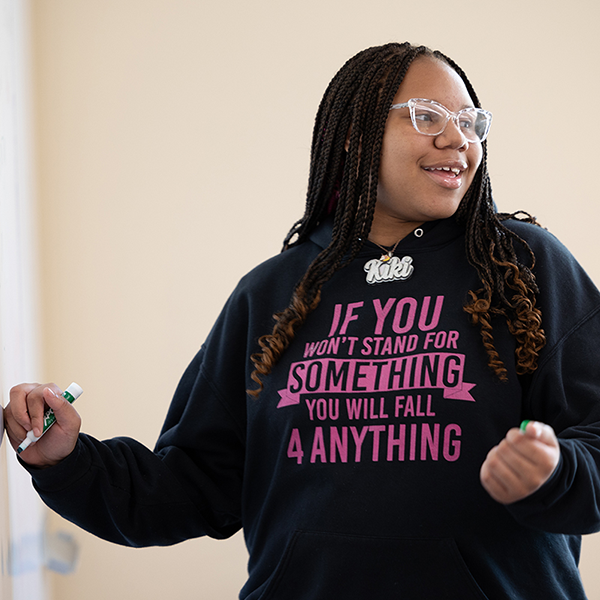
pixel 446 177
pixel 455 170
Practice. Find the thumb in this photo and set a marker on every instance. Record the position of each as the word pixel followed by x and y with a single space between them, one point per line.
pixel 540 431
pixel 57 403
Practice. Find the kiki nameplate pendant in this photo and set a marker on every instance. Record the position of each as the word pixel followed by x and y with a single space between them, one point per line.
pixel 389 268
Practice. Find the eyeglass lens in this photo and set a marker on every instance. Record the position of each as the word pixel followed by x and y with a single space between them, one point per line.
pixel 431 120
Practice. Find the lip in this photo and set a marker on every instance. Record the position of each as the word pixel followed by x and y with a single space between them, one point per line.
pixel 447 174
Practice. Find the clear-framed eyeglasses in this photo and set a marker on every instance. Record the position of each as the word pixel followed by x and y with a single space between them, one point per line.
pixel 430 118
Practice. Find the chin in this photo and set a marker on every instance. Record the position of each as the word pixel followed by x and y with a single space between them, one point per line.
pixel 442 212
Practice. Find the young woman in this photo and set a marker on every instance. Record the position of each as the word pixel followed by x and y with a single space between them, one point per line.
pixel 367 439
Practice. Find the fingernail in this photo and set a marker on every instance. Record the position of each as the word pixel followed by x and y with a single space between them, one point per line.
pixel 523 427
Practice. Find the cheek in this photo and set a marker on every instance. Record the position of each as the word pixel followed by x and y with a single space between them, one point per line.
pixel 396 158
pixel 478 156
pixel 475 157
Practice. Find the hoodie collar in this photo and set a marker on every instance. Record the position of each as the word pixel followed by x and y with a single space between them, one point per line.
pixel 435 234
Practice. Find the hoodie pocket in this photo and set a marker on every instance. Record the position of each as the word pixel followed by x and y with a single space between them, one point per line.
pixel 326 566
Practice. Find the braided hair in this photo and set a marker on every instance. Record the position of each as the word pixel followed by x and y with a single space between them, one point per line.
pixel 344 169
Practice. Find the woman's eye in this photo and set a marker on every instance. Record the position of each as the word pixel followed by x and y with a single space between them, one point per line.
pixel 425 117
pixel 466 121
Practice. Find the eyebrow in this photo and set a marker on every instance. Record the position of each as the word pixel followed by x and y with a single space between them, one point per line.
pixel 461 108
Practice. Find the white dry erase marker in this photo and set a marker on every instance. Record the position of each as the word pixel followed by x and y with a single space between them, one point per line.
pixel 70 395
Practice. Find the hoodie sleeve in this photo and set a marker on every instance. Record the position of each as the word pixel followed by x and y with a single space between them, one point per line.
pixel 189 486
pixel 565 392
pixel 566 395
pixel 191 483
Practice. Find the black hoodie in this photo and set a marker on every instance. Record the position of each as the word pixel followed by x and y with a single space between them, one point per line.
pixel 356 473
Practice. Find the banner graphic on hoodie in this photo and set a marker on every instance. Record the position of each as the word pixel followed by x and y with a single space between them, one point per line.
pixel 375 378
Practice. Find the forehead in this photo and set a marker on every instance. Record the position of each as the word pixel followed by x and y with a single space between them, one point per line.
pixel 435 80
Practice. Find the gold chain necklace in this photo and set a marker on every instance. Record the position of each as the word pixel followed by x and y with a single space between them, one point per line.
pixel 387 253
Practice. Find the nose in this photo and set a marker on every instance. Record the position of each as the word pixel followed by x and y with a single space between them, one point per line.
pixel 451 137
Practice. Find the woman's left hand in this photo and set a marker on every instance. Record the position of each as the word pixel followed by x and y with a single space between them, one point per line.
pixel 521 463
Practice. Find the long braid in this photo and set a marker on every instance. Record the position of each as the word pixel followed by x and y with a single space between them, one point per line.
pixel 352 114
pixel 490 249
pixel 343 179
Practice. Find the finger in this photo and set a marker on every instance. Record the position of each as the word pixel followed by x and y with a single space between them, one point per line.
pixel 14 430
pixel 491 485
pixel 538 430
pixel 523 464
pixel 542 432
pixel 38 403
pixel 18 404
pixel 65 413
pixel 508 465
pixel 514 459
pixel 501 481
pixel 495 488
pixel 496 478
pixel 60 439
pixel 56 402
pixel 538 444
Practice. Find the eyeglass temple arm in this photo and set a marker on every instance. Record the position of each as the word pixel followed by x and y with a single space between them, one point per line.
pixel 403 105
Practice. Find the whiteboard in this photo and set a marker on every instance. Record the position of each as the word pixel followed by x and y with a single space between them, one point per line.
pixel 21 513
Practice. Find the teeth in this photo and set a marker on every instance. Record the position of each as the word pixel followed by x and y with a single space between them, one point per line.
pixel 455 170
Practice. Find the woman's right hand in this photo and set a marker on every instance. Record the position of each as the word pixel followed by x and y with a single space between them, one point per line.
pixel 25 412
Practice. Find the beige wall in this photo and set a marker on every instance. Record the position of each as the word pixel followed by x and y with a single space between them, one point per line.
pixel 173 150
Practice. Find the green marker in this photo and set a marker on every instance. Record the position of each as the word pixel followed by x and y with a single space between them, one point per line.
pixel 70 395
pixel 524 425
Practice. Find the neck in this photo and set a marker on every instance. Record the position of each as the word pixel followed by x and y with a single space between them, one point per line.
pixel 387 233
